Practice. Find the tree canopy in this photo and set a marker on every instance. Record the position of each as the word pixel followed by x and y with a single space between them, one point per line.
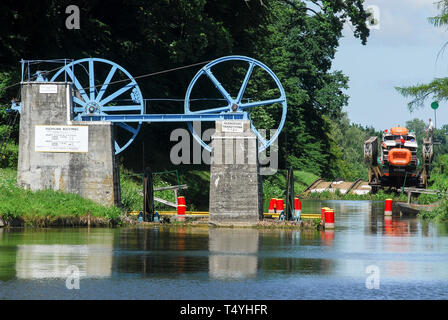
pixel 437 89
pixel 297 39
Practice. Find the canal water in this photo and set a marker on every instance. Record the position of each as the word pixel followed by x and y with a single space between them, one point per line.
pixel 367 256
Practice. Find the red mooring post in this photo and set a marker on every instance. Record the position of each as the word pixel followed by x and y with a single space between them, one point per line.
pixel 329 219
pixel 181 208
pixel 298 208
pixel 272 205
pixel 181 200
pixel 279 204
pixel 388 207
pixel 322 214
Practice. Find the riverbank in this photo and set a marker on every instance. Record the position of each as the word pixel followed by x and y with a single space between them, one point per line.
pixel 20 207
pixel 48 208
pixel 127 220
pixel 439 214
pixel 204 222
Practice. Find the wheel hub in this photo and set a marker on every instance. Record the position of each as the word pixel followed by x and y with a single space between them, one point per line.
pixel 92 107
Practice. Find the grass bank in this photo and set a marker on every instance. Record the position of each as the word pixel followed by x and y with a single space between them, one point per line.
pixel 439 214
pixel 438 181
pixel 48 207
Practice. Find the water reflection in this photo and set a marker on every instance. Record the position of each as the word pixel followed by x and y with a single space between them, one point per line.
pixel 197 262
pixel 52 261
pixel 161 251
pixel 327 237
pixel 233 253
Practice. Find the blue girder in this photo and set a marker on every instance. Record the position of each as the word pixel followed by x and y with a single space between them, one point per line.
pixel 166 117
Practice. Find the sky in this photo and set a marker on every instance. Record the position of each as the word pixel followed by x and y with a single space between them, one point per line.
pixel 402 52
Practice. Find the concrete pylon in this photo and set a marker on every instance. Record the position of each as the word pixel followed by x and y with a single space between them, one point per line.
pixel 60 154
pixel 235 184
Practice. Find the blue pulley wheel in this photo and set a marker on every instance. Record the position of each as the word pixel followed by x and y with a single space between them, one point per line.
pixel 265 98
pixel 102 87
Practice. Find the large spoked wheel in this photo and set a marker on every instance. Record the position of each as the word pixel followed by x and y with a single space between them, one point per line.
pixel 237 102
pixel 102 87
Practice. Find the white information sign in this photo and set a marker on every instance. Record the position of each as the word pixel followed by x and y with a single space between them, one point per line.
pixel 61 139
pixel 232 126
pixel 48 88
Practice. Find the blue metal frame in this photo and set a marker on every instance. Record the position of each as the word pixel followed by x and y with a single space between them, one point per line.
pixel 93 102
pixel 240 106
pixel 167 117
pixel 93 106
pixel 27 74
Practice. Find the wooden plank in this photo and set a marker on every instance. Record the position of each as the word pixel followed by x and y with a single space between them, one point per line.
pixel 424 191
pixel 317 181
pixel 182 186
pixel 168 203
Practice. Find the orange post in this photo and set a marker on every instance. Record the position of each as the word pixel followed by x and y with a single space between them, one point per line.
pixel 280 207
pixel 298 208
pixel 388 207
pixel 329 219
pixel 271 205
pixel 181 200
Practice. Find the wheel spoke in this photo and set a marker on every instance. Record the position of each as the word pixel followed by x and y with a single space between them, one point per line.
pixel 259 136
pixel 261 103
pixel 106 83
pixel 79 101
pixel 117 93
pixel 117 147
pixel 78 109
pixel 245 82
pixel 77 84
pixel 122 108
pixel 218 85
pixel 91 80
pixel 127 127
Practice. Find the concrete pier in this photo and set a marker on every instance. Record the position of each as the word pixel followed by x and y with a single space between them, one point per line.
pixel 235 183
pixel 56 153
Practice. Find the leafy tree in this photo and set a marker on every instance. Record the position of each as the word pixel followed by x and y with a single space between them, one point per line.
pixel 350 138
pixel 301 48
pixel 437 89
pixel 298 39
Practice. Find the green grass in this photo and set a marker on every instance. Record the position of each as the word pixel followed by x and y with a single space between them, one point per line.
pixel 132 191
pixel 8 159
pixel 15 202
pixel 438 181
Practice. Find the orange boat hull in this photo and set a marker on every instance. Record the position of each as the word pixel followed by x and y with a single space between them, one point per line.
pixel 400 157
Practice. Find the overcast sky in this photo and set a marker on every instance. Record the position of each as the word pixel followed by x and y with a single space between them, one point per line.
pixel 402 52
